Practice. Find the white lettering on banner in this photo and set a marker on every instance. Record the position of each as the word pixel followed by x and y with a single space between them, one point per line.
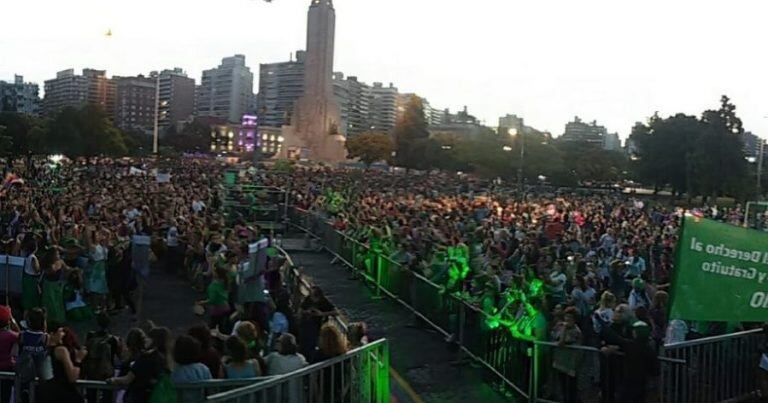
pixel 724 251
pixel 750 273
pixel 759 300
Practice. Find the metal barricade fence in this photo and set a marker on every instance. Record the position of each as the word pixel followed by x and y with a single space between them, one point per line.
pixel 99 391
pixel 717 368
pixel 361 375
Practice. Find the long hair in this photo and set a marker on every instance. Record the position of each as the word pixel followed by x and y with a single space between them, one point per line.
pixel 331 342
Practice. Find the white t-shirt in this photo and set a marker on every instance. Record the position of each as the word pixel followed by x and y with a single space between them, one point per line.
pixel 558 281
pixel 278 364
pixel 197 206
pixel 172 239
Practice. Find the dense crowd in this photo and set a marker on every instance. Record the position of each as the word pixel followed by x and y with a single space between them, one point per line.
pixel 572 268
pixel 89 233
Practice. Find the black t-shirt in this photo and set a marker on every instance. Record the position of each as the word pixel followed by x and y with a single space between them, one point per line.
pixel 146 371
pixel 314 322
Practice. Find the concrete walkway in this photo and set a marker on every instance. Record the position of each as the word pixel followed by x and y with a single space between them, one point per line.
pixel 419 357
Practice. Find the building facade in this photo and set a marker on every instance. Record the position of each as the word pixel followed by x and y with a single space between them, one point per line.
pixel 581 132
pixel 102 91
pixel 383 107
pixel 225 91
pixel 66 90
pixel 280 86
pixel 354 98
pixel 752 145
pixel 19 97
pixel 511 122
pixel 135 107
pixel 177 97
pixel 611 142
pixel 71 90
pixel 240 138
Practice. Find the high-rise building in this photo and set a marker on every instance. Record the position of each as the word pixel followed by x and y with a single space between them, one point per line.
pixel 102 91
pixel 461 123
pixel 341 94
pixel 611 142
pixel 517 124
pixel 511 122
pixel 315 131
pixel 358 107
pixel 135 108
pixel 585 133
pixel 383 107
pixel 752 145
pixel 177 97
pixel 280 86
pixel 19 96
pixel 67 89
pixel 225 90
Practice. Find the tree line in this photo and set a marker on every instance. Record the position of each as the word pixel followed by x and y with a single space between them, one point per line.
pixel 698 156
pixel 87 131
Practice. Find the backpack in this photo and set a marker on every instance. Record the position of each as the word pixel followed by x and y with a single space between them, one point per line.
pixel 164 391
pixel 98 362
pixel 34 360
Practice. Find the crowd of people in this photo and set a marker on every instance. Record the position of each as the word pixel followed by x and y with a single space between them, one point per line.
pixel 89 232
pixel 589 268
pixel 574 269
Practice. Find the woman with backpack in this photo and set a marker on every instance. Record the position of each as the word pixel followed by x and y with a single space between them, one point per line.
pixel 33 361
pixel 66 359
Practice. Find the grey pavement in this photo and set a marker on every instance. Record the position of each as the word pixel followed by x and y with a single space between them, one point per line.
pixel 419 355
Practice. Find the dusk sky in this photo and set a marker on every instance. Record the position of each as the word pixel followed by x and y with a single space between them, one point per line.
pixel 612 61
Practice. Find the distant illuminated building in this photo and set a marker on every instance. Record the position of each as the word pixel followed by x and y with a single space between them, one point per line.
pixel 240 139
pixel 247 134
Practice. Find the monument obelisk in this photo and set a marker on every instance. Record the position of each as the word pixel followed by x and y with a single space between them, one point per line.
pixel 315 132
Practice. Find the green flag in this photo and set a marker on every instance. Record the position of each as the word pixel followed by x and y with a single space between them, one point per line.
pixel 721 273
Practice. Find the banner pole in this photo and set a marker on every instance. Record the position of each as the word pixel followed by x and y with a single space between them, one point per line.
pixel 676 273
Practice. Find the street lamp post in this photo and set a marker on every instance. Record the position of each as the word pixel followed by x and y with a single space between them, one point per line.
pixel 759 186
pixel 513 132
pixel 155 129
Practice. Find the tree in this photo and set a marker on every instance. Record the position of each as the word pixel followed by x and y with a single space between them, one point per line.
pixel 699 156
pixel 370 147
pixel 412 136
pixel 195 136
pixel 6 142
pixel 718 158
pixel 665 147
pixel 84 132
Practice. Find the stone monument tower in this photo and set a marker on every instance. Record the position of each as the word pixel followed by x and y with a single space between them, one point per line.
pixel 315 129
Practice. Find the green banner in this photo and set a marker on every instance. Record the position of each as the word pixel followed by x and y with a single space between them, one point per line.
pixel 721 273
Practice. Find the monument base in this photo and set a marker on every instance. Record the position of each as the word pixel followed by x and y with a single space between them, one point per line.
pixel 328 149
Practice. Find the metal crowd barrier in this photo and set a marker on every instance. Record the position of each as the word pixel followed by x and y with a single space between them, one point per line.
pixel 361 375
pixel 718 368
pixel 102 392
pixel 690 371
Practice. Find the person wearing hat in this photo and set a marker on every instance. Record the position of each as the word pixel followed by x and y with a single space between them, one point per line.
pixel 9 338
pixel 638 297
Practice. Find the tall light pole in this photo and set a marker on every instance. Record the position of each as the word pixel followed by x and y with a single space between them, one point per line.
pixel 155 129
pixel 761 153
pixel 514 133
